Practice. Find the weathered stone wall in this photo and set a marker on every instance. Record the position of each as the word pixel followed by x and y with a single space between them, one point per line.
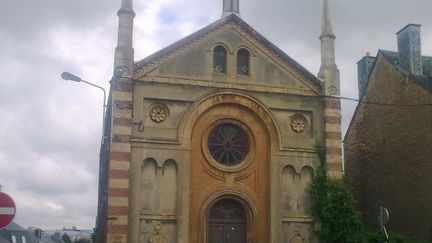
pixel 388 153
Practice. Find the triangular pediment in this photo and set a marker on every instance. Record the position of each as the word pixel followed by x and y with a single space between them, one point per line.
pixel 191 60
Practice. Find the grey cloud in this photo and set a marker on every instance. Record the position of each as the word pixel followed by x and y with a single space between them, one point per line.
pixel 49 128
pixel 22 18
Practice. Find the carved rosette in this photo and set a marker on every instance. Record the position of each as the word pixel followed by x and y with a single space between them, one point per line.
pixel 298 123
pixel 159 113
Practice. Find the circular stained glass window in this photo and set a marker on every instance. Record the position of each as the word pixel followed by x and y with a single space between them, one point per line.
pixel 228 144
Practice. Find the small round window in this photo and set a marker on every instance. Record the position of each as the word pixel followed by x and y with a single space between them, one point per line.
pixel 228 144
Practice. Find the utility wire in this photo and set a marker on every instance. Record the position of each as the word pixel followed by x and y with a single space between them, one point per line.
pixel 377 103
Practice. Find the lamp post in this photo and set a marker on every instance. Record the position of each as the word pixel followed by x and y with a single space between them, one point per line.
pixel 72 77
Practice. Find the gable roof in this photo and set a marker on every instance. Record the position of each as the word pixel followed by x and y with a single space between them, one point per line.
pixel 15 227
pixel 425 81
pixel 232 18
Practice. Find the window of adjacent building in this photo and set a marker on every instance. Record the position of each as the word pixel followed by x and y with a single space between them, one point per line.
pixel 219 59
pixel 23 239
pixel 14 239
pixel 243 62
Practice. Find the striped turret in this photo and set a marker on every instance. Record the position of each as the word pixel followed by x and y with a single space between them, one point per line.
pixel 119 155
pixel 329 73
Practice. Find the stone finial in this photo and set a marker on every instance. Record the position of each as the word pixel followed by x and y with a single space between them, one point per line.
pixel 231 7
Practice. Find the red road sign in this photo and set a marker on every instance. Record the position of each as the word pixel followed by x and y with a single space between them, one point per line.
pixel 7 210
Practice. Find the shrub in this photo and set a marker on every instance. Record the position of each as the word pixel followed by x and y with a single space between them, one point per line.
pixel 335 209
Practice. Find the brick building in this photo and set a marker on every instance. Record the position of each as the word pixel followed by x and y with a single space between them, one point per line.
pixel 212 138
pixel 388 151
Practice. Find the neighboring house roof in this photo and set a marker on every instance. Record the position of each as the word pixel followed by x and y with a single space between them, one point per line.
pixel 15 227
pixel 424 81
pixel 235 19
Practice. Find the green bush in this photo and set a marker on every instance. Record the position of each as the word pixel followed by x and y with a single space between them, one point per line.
pixel 335 208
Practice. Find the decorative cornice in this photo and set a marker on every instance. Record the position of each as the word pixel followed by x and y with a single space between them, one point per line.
pixel 230 84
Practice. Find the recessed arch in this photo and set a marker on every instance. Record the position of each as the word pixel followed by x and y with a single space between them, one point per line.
pixel 148 186
pixel 170 162
pixel 307 169
pixel 229 97
pixel 306 176
pixel 289 203
pixel 246 47
pixel 229 50
pixel 169 187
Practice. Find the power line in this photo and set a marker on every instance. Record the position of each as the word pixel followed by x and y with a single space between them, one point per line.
pixel 378 103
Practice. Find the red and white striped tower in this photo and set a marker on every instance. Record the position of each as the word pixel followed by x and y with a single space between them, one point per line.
pixel 329 73
pixel 120 129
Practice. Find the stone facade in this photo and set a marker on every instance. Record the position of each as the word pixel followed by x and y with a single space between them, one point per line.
pixel 168 181
pixel 271 186
pixel 387 152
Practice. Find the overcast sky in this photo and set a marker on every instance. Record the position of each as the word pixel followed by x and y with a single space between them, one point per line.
pixel 50 128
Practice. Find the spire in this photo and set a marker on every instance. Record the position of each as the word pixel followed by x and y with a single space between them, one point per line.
pixel 124 53
pixel 327 29
pixel 329 72
pixel 231 7
pixel 127 5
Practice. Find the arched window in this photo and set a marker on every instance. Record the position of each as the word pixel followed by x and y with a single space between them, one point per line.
pixel 243 62
pixel 219 59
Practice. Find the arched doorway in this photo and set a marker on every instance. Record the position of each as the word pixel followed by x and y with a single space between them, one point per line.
pixel 227 222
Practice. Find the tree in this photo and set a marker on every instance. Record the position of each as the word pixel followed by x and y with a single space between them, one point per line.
pixel 66 238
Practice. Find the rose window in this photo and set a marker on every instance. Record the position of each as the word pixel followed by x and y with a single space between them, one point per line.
pixel 228 144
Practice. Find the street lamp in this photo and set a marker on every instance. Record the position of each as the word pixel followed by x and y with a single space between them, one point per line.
pixel 72 77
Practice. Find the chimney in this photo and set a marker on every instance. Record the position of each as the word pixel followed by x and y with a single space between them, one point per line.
pixel 364 67
pixel 409 48
pixel 38 233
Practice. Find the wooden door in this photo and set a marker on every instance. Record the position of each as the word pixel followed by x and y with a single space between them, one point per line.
pixel 227 222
